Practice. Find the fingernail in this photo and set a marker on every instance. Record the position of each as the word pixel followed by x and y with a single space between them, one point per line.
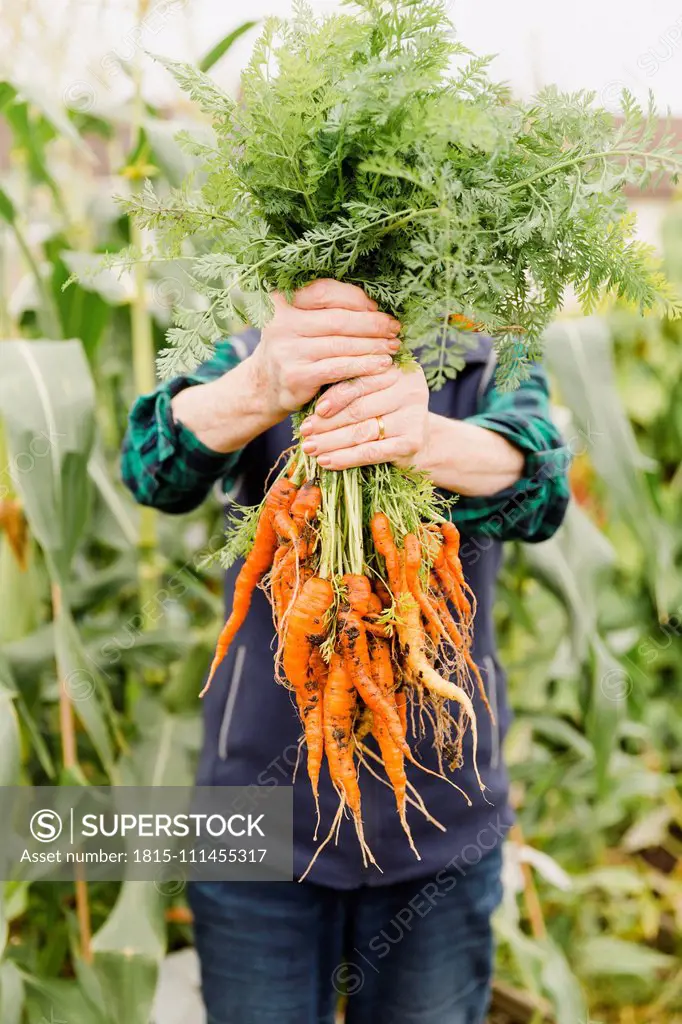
pixel 323 407
pixel 396 325
pixel 306 427
pixel 394 345
pixel 386 361
pixel 309 447
pixel 324 460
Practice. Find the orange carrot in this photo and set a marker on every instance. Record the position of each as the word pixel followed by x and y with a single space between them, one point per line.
pixel 463 323
pixel 383 593
pixel 307 503
pixel 338 714
pixel 352 644
pixel 385 545
pixel 364 726
pixel 318 672
pixel 377 629
pixel 451 547
pixel 413 559
pixel 382 672
pixel 451 587
pixel 462 647
pixel 258 561
pixel 286 529
pixel 306 629
pixel 411 635
pixel 413 643
pixel 401 705
pixel 278 565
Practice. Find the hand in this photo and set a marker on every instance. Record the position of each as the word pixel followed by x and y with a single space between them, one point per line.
pixel 344 430
pixel 330 332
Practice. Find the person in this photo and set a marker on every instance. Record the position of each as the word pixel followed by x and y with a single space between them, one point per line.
pixel 413 941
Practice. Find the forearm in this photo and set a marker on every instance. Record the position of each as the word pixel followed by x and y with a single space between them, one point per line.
pixel 468 459
pixel 227 413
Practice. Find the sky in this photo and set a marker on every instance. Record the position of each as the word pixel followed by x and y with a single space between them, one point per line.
pixel 70 49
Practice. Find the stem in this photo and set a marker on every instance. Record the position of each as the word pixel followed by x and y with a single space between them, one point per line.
pixel 353 547
pixel 67 732
pixel 329 484
pixel 585 158
pixel 5 316
pixel 48 317
pixel 532 900
pixel 144 376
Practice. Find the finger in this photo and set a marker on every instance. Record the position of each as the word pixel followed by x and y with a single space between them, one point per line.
pixel 330 371
pixel 351 435
pixel 379 403
pixel 323 323
pixel 368 454
pixel 341 395
pixel 345 345
pixel 326 293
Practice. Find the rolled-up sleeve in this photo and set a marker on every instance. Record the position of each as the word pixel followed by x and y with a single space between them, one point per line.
pixel 162 462
pixel 534 507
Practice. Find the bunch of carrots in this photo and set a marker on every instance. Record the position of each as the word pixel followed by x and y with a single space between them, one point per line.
pixel 373 624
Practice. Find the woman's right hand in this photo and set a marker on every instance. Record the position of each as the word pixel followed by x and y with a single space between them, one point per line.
pixel 330 332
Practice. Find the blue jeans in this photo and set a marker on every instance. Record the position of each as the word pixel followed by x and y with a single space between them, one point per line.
pixel 418 952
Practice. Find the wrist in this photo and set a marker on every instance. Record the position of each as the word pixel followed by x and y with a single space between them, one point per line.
pixel 438 440
pixel 249 385
pixel 227 413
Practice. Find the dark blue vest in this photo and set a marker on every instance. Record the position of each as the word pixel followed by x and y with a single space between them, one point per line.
pixel 252 730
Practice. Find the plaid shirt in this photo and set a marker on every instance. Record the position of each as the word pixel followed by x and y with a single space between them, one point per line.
pixel 166 466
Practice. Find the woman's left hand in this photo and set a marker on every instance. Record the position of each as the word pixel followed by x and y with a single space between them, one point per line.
pixel 379 418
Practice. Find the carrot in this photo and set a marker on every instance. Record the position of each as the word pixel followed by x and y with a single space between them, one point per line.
pixel 411 635
pixel 352 644
pixel 462 647
pixel 394 765
pixel 306 630
pixel 464 323
pixel 365 724
pixel 412 642
pixel 451 587
pixel 286 529
pixel 451 540
pixel 278 566
pixel 385 545
pixel 338 714
pixel 258 561
pixel 307 503
pixel 318 672
pixel 378 629
pixel 375 606
pixel 401 706
pixel 413 558
pixel 383 593
pixel 358 592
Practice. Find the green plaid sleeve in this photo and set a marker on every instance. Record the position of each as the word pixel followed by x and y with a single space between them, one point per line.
pixel 534 507
pixel 162 462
